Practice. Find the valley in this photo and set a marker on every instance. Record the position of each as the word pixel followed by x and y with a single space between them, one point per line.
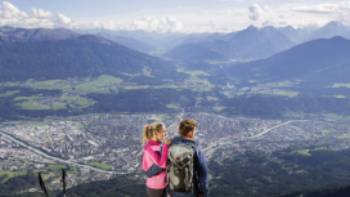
pixel 97 147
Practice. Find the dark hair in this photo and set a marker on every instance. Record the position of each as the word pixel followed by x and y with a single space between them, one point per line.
pixel 187 126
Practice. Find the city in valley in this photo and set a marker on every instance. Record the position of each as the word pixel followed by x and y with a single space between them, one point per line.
pixel 97 147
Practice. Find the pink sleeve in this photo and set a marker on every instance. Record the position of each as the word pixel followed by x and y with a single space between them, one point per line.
pixel 160 160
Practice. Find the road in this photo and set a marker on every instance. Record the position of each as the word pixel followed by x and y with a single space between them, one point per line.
pixel 259 134
pixel 272 128
pixel 37 151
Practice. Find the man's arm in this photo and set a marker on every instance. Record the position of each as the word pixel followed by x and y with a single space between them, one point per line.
pixel 202 170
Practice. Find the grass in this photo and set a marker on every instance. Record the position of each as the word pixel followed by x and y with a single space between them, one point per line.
pixel 9 93
pixel 49 175
pixel 196 81
pixel 274 92
pixel 100 165
pixel 325 131
pixel 229 93
pixel 341 85
pixel 335 117
pixel 63 85
pixel 104 84
pixel 300 172
pixel 77 101
pixel 340 96
pixel 173 106
pixel 53 103
pixel 212 98
pixel 57 106
pixel 56 167
pixel 32 103
pixel 281 84
pixel 345 136
pixel 160 118
pixel 218 108
pixel 281 88
pixel 146 71
pixel 303 152
pixel 286 93
pixel 192 73
pixel 198 84
pixel 136 87
pixel 8 175
pixel 73 170
pixel 166 117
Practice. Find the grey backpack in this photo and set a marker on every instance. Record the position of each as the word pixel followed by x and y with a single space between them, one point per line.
pixel 180 167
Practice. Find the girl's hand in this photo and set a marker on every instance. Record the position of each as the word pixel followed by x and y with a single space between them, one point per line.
pixel 166 141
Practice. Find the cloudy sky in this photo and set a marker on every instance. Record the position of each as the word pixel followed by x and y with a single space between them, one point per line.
pixel 172 15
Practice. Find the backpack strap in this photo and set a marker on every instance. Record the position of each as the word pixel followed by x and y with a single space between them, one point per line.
pixel 195 163
pixel 153 170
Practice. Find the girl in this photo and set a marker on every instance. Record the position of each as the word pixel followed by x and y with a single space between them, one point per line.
pixel 154 161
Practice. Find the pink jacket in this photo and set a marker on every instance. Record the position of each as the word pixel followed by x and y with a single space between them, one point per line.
pixel 152 155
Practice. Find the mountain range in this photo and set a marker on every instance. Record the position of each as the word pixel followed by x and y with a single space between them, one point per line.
pixel 12 34
pixel 44 54
pixel 318 61
pixel 248 44
pixel 251 43
pixel 57 54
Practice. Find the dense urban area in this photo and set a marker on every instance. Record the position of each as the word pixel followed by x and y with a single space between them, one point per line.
pixel 97 147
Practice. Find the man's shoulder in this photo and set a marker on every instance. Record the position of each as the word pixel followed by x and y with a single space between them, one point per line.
pixel 178 139
pixel 181 140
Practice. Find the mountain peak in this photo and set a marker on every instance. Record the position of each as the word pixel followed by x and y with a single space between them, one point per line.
pixel 320 61
pixel 251 28
pixel 8 33
pixel 331 29
pixel 338 38
pixel 335 24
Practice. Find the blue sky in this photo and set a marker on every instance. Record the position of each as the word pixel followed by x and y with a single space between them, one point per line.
pixel 172 15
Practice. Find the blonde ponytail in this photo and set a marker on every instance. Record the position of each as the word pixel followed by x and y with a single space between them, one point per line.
pixel 149 130
pixel 147 133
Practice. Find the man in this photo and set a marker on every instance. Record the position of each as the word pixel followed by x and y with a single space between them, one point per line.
pixel 187 169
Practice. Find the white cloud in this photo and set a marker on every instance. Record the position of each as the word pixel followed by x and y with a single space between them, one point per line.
pixel 339 11
pixel 98 24
pixel 12 16
pixel 297 14
pixel 39 13
pixel 159 24
pixel 325 8
pixel 63 20
pixel 10 11
pixel 255 12
pixel 231 17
